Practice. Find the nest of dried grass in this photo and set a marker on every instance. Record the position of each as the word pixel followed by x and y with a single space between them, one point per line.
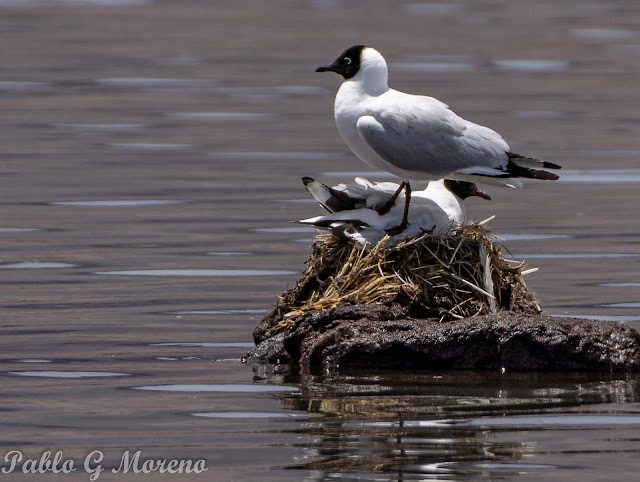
pixel 452 276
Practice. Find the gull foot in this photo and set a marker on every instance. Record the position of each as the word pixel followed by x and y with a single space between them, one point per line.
pixel 392 201
pixel 398 229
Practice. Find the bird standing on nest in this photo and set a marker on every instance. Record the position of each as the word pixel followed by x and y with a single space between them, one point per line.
pixel 417 137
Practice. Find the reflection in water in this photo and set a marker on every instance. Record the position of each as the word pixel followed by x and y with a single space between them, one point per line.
pixel 555 421
pixel 242 415
pixel 450 423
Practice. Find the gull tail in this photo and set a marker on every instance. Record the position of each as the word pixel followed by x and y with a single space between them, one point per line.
pixel 517 166
pixel 521 166
pixel 330 199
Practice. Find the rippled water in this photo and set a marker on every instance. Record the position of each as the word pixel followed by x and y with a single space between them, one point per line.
pixel 152 156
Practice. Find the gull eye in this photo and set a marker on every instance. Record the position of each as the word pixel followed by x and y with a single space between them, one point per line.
pixel 347 60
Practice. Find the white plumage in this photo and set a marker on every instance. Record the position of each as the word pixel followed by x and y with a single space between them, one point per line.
pixel 354 209
pixel 418 137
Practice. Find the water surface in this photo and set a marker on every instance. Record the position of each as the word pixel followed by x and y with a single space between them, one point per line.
pixel 152 161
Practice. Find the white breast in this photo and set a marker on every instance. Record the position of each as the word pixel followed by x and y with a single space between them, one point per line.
pixel 352 103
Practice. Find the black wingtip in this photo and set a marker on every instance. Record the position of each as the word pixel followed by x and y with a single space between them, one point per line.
pixel 307 180
pixel 516 170
pixel 551 165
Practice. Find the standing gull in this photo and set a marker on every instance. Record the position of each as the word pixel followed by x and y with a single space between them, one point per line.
pixel 417 137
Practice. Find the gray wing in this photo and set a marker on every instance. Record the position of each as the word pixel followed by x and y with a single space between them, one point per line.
pixel 421 134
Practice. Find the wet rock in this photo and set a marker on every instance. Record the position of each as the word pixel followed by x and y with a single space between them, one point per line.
pixel 377 337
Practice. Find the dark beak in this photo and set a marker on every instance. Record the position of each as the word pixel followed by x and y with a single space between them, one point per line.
pixel 481 194
pixel 326 68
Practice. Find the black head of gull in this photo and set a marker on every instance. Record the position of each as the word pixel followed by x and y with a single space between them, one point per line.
pixel 347 64
pixel 465 189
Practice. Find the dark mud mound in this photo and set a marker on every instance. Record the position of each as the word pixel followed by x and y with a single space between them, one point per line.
pixel 432 303
pixel 373 337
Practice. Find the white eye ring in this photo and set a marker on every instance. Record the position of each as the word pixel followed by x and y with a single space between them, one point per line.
pixel 347 60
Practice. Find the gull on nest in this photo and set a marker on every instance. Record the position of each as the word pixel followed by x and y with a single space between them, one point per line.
pixel 357 211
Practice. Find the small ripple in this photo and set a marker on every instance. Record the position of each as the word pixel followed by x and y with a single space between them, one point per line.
pixel 293 229
pixel 146 146
pixel 200 272
pixel 49 3
pixel 602 33
pixel 622 305
pixel 36 265
pixel 229 253
pixel 271 92
pixel 222 312
pixel 432 8
pixel 620 285
pixel 222 387
pixel 153 82
pixel 626 48
pixel 532 237
pixel 614 318
pixel 538 114
pixel 431 67
pixel 208 345
pixel 598 153
pixel 574 255
pixel 33 360
pixel 326 4
pixel 520 422
pixel 21 84
pixel 275 155
pixel 297 201
pixel 57 374
pixel 530 65
pixel 119 203
pixel 512 466
pixel 101 127
pixel 600 176
pixel 245 415
pixel 220 115
pixel 19 230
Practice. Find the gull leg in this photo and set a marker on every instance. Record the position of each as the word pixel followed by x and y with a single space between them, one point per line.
pixel 403 225
pixel 392 200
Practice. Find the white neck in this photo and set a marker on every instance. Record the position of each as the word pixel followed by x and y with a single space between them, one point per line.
pixel 373 74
